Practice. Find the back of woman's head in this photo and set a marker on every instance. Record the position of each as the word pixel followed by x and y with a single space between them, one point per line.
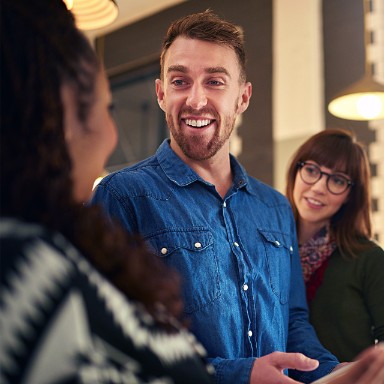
pixel 339 149
pixel 41 49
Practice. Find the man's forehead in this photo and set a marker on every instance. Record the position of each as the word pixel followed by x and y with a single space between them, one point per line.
pixel 186 53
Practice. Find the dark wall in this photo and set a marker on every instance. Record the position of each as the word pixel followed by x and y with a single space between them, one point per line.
pixel 344 54
pixel 344 58
pixel 139 44
pixel 344 62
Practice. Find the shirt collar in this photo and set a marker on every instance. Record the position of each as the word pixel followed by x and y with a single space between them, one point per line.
pixel 174 168
pixel 181 174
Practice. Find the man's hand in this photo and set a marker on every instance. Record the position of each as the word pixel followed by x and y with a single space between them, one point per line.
pixel 269 369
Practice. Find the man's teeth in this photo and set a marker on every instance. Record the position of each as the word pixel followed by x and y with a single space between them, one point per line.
pixel 197 123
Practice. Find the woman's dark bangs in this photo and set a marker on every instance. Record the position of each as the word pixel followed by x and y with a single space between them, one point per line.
pixel 334 154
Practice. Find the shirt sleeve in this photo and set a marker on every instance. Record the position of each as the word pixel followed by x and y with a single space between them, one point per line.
pixel 229 371
pixel 114 205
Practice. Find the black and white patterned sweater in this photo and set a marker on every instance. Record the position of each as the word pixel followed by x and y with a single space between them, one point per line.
pixel 61 321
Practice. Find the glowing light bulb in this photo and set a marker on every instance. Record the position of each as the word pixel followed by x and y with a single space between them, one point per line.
pixel 369 106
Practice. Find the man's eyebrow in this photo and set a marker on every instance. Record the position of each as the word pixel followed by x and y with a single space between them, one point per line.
pixel 214 70
pixel 177 68
pixel 210 70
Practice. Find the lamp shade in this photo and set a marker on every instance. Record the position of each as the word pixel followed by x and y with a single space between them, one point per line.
pixel 93 14
pixel 363 100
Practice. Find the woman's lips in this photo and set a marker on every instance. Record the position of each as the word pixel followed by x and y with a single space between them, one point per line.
pixel 314 203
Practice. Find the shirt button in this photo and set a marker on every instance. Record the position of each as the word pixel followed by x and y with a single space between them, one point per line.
pixel 250 333
pixel 277 243
pixel 164 251
pixel 236 244
pixel 291 249
pixel 197 245
pixel 245 287
pixel 224 204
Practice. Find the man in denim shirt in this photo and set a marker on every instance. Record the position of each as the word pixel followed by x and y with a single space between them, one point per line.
pixel 231 237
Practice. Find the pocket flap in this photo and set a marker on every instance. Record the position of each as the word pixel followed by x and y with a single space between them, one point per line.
pixel 277 239
pixel 192 239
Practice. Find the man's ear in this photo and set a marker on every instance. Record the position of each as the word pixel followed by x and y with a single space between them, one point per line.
pixel 160 94
pixel 245 97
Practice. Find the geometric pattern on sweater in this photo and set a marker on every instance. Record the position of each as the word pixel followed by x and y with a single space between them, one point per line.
pixel 37 292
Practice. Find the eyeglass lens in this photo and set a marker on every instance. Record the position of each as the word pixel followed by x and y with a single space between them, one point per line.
pixel 311 173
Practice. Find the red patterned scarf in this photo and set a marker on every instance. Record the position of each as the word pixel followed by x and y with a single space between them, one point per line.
pixel 314 254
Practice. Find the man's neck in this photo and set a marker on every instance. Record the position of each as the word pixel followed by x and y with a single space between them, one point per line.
pixel 220 175
pixel 215 170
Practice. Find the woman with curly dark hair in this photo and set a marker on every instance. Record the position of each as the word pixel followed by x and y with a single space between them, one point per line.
pixel 80 300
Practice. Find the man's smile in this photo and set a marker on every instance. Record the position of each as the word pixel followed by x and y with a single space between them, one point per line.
pixel 198 123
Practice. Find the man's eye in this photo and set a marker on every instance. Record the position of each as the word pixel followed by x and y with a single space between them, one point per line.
pixel 215 82
pixel 178 82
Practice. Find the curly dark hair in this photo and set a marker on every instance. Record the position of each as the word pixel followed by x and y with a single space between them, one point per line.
pixel 41 49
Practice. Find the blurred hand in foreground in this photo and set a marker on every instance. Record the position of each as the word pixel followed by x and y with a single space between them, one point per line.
pixel 368 368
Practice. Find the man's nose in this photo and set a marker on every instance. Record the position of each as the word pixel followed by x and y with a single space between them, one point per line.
pixel 197 98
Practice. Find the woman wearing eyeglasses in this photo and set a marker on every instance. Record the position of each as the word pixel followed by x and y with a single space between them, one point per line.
pixel 328 186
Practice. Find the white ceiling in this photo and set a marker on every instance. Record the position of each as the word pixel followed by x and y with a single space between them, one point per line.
pixel 131 11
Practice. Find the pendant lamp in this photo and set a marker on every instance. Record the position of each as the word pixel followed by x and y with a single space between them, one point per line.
pixel 364 99
pixel 93 14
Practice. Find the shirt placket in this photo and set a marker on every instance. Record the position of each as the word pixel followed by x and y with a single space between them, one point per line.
pixel 244 284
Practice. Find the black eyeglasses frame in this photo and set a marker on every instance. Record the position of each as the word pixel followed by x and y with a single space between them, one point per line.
pixel 301 164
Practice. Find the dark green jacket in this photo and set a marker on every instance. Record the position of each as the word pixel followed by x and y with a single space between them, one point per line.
pixel 348 309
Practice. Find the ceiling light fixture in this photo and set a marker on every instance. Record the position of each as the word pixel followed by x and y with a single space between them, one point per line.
pixel 93 14
pixel 364 99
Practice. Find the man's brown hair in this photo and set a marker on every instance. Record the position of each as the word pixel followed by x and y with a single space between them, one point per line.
pixel 209 27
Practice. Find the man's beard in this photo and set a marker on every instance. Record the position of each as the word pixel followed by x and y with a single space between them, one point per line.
pixel 197 147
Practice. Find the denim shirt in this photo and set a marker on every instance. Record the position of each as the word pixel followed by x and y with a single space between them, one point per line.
pixel 242 281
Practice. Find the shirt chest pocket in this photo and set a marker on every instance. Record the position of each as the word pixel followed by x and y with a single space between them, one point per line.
pixel 278 250
pixel 191 252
